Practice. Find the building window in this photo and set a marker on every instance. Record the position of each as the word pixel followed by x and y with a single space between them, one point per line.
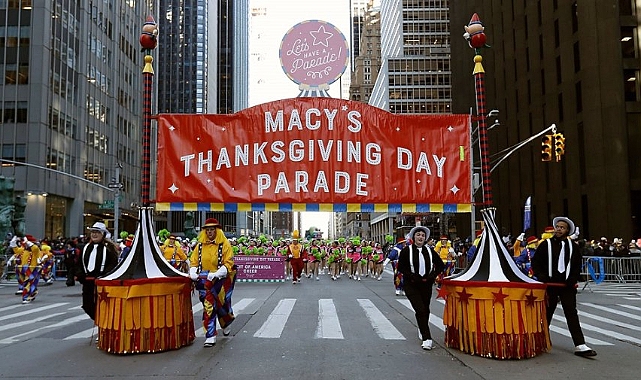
pixel 15 152
pixel 579 97
pixel 14 112
pixel 575 17
pixel 16 74
pixel 577 58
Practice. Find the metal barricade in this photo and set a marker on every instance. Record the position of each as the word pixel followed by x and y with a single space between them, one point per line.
pixel 613 269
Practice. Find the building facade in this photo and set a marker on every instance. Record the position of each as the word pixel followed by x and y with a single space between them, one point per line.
pixel 574 64
pixel 404 67
pixel 202 68
pixel 71 110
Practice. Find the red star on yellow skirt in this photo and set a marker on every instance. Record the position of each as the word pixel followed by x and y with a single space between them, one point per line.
pixel 500 296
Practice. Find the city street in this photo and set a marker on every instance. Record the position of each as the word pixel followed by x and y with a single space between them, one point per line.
pixel 322 329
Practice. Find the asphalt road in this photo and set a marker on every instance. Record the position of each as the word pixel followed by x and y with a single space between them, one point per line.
pixel 366 333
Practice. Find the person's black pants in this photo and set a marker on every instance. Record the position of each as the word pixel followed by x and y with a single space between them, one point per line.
pixel 89 298
pixel 567 296
pixel 419 294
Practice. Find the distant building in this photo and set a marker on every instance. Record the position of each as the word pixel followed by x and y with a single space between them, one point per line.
pixel 71 109
pixel 571 63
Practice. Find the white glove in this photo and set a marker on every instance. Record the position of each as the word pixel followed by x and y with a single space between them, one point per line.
pixel 386 262
pixel 193 274
pixel 10 261
pixel 575 235
pixel 29 244
pixel 521 237
pixel 39 261
pixel 220 273
pixel 451 250
pixel 14 242
pixel 290 256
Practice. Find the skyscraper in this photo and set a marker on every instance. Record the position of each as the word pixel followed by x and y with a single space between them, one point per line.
pixel 574 64
pixel 71 110
pixel 202 68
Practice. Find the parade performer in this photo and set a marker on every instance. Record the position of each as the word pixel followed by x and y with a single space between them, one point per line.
pixel 99 257
pixel 47 264
pixel 212 268
pixel 378 257
pixel 558 263
pixel 334 260
pixel 392 257
pixel 174 254
pixel 129 241
pixel 296 253
pixel 524 261
pixel 29 257
pixel 420 266
pixel 317 254
pixel 548 232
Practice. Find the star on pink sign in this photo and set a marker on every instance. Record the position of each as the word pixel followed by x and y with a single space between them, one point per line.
pixel 320 35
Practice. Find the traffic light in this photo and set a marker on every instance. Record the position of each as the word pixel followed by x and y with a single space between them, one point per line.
pixel 559 146
pixel 546 148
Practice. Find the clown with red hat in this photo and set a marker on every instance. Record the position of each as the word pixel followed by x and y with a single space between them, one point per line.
pixel 524 260
pixel 28 258
pixel 213 270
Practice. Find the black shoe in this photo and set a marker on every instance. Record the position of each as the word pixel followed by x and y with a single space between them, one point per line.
pixel 585 354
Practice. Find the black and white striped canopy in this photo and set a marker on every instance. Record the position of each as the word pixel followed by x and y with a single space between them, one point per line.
pixel 493 262
pixel 145 259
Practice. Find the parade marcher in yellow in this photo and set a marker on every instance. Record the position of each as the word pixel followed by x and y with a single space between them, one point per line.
pixel 47 261
pixel 213 270
pixel 174 254
pixel 29 257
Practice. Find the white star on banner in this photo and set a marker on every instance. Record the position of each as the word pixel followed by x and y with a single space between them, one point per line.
pixel 454 189
pixel 173 188
pixel 450 128
pixel 208 180
pixel 322 35
pixel 344 108
pixel 418 181
pixel 172 128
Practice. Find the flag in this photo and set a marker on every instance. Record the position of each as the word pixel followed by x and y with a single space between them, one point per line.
pixel 527 214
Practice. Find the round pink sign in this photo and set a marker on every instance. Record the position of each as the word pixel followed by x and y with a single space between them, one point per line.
pixel 314 53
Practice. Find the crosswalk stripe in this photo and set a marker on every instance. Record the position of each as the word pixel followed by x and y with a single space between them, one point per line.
pixel 27 322
pixel 7 308
pixel 83 334
pixel 62 323
pixel 329 327
pixel 630 307
pixel 610 333
pixel 383 327
pixel 31 311
pixel 237 307
pixel 275 323
pixel 592 341
pixel 435 320
pixel 608 320
pixel 610 310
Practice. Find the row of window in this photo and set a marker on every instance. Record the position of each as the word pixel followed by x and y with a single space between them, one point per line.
pixel 421 93
pixel 14 112
pixel 16 73
pixel 14 152
pixel 62 123
pixel 419 65
pixel 420 107
pixel 98 110
pixel 426 14
pixel 442 79
pixel 15 4
pixel 14 36
pixel 60 161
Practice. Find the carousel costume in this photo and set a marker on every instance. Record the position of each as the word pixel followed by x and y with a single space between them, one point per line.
pixel 213 270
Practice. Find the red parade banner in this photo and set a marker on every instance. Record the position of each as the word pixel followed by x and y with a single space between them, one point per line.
pixel 314 151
